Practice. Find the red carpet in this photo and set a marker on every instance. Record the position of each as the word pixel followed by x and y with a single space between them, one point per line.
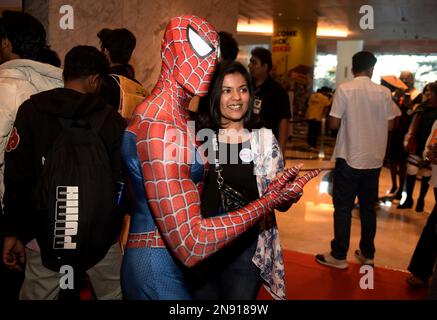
pixel 308 280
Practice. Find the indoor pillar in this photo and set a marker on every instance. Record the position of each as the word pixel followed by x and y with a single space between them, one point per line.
pixel 294 46
pixel 345 51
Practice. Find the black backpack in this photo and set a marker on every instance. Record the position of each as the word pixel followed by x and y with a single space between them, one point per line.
pixel 75 197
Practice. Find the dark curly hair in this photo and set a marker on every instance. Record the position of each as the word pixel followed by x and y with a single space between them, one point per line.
pixel 26 34
pixel 119 42
pixel 83 61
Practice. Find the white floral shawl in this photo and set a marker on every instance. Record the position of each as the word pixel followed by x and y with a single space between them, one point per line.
pixel 268 161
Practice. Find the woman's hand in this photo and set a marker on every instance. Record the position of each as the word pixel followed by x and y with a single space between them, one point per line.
pixel 432 153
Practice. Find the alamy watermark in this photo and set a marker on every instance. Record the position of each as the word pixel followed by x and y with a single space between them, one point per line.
pixel 367 281
pixel 67 279
pixel 67 20
pixel 179 145
pixel 367 21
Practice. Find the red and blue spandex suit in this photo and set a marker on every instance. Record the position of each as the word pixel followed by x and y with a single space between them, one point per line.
pixel 167 232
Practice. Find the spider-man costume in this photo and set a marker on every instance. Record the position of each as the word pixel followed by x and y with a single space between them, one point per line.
pixel 167 230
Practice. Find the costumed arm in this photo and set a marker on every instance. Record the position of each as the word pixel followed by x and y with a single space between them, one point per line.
pixel 175 202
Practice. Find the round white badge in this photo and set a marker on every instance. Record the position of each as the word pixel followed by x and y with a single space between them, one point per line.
pixel 246 155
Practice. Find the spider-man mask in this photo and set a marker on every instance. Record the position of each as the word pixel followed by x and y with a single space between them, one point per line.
pixel 190 49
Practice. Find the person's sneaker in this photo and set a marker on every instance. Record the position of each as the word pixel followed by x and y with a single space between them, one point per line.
pixel 408 204
pixel 415 282
pixel 362 259
pixel 328 260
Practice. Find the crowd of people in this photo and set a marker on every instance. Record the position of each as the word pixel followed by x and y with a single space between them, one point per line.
pixel 377 124
pixel 85 148
pixel 70 165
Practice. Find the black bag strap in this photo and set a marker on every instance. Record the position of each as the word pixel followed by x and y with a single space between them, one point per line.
pixel 218 167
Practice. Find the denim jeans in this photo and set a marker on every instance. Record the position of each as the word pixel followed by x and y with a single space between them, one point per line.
pixel 348 184
pixel 313 132
pixel 230 273
pixel 432 291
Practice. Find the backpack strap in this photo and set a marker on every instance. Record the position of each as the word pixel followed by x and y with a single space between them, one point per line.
pixel 116 78
pixel 95 119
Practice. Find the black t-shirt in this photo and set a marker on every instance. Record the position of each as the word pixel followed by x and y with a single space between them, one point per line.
pixel 275 104
pixel 423 130
pixel 240 174
pixel 236 172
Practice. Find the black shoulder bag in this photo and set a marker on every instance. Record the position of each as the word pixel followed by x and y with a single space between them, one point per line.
pixel 232 198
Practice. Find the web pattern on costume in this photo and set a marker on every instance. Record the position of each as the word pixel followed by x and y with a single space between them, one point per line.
pixel 164 148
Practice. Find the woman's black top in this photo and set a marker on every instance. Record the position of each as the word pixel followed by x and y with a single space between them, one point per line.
pixel 236 172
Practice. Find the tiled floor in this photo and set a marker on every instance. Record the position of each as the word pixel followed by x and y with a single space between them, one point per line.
pixel 308 226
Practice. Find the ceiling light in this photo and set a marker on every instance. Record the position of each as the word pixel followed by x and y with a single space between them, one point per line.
pixel 328 32
pixel 255 27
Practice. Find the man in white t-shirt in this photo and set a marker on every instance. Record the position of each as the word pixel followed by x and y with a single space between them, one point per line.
pixel 364 112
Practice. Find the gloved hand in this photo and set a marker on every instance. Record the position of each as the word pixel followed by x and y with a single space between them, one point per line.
pixel 288 175
pixel 291 191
